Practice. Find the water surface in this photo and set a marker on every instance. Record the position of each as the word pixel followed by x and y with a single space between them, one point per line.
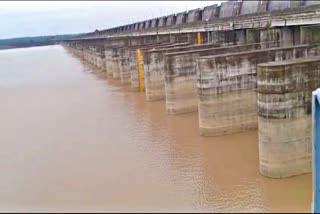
pixel 72 140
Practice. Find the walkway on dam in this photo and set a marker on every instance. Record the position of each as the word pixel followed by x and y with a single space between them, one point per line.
pixel 73 140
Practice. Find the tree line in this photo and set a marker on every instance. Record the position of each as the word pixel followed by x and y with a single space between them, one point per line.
pixel 23 42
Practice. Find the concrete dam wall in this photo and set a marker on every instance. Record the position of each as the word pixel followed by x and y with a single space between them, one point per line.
pixel 255 72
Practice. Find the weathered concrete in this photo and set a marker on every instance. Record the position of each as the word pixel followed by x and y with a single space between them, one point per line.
pixel 227 83
pixel 162 21
pixel 181 79
pixel 226 9
pixel 108 61
pixel 249 6
pixel 282 5
pixel 309 3
pixel 115 57
pixel 133 61
pixel 100 63
pixel 210 13
pixel 90 56
pixel 76 51
pixel 229 9
pixel 125 76
pixel 181 18
pixel 171 20
pixel 194 15
pixel 284 109
pixel 148 24
pixel 100 58
pixel 112 61
pixel 231 15
pixel 128 62
pixel 154 67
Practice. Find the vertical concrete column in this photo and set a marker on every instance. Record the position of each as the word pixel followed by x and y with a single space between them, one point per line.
pixel 163 38
pixel 227 99
pixel 154 75
pixel 296 35
pixel 125 75
pixel 219 37
pixel 95 56
pixel 271 37
pixel 252 36
pixel 141 40
pixel 126 42
pixel 115 64
pixel 207 37
pixel 145 40
pixel 172 38
pixel 264 38
pixel 189 38
pixel 286 37
pixel 133 41
pixel 241 36
pixel 100 57
pixel 284 115
pixel 108 61
pixel 132 63
pixel 214 37
pixel 305 35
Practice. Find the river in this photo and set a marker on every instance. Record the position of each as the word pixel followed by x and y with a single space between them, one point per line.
pixel 73 140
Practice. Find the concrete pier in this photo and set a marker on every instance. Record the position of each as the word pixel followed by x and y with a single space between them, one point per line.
pixel 154 67
pixel 108 62
pixel 132 52
pixel 101 61
pixel 181 76
pixel 145 61
pixel 115 61
pixel 227 83
pixel 125 76
pixel 284 115
pixel 127 62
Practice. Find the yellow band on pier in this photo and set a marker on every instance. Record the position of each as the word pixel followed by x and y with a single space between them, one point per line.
pixel 140 70
pixel 199 38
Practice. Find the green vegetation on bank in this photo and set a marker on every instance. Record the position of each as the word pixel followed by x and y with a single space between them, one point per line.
pixel 33 41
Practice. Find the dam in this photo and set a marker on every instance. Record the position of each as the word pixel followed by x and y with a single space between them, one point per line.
pixel 241 66
pixel 213 109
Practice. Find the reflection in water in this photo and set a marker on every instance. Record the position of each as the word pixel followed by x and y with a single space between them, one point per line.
pixel 73 140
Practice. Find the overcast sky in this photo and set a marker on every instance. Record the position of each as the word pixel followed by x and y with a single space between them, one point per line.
pixel 34 18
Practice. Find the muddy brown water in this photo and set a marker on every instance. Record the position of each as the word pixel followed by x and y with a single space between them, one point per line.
pixel 72 140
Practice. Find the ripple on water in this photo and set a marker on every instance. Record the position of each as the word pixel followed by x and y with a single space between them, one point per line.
pixel 73 140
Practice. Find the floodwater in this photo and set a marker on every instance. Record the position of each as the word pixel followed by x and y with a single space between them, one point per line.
pixel 72 140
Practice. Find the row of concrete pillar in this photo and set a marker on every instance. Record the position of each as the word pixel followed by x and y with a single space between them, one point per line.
pixel 235 86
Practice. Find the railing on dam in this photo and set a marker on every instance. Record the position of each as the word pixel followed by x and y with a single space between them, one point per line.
pixel 316 150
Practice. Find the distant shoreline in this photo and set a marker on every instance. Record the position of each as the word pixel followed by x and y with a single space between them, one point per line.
pixel 37 41
pixel 30 46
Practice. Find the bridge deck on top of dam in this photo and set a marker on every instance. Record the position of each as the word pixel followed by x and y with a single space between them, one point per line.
pixel 289 17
